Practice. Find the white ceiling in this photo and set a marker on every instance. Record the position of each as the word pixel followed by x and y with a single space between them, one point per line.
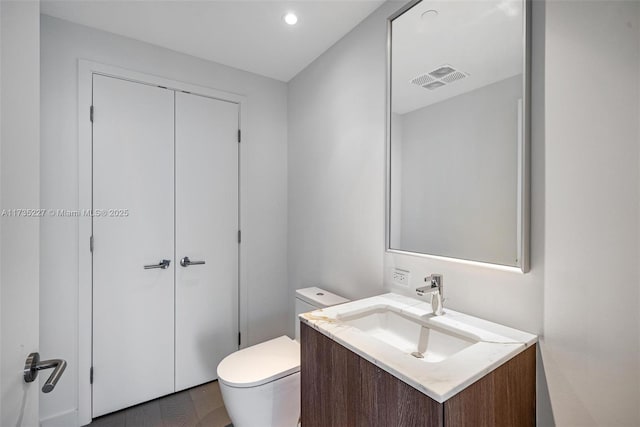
pixel 483 38
pixel 249 35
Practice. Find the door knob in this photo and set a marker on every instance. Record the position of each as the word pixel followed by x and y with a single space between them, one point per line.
pixel 33 364
pixel 164 264
pixel 186 262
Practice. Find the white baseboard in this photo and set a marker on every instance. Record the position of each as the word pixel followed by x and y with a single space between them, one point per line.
pixel 64 419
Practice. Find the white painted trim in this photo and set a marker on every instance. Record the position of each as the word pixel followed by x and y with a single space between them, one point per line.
pixel 63 419
pixel 85 294
pixel 86 69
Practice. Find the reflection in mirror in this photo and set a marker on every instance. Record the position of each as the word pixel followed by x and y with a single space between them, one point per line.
pixel 457 149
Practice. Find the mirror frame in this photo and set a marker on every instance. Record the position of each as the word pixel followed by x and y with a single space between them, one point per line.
pixel 524 160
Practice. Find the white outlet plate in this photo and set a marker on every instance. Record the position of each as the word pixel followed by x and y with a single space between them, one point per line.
pixel 400 277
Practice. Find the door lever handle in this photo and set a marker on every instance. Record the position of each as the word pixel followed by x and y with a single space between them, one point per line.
pixel 186 262
pixel 33 364
pixel 164 264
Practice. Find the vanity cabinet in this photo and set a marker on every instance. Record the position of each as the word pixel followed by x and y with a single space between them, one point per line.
pixel 341 389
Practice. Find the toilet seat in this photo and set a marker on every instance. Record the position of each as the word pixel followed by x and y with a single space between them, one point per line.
pixel 261 363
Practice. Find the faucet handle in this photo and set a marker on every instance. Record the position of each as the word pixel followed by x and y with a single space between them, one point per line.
pixel 435 289
pixel 435 280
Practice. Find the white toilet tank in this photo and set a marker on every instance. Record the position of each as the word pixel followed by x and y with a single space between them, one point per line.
pixel 313 298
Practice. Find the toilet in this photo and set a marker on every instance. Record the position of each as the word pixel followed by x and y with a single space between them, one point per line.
pixel 261 384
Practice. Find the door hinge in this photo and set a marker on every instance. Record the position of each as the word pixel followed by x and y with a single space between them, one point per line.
pixel 91 114
pixel 239 338
pixel 239 236
pixel 239 135
pixel 91 243
pixel 91 375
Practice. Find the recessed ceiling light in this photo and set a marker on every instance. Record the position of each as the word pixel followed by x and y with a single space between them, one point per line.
pixel 290 18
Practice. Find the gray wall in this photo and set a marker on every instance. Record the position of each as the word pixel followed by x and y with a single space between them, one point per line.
pixel 336 150
pixel 459 175
pixel 264 215
pixel 582 290
pixel 591 323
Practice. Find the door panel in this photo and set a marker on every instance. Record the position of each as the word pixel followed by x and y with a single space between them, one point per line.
pixel 133 164
pixel 206 230
pixel 20 188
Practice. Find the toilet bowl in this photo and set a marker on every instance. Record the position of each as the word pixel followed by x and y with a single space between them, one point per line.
pixel 260 384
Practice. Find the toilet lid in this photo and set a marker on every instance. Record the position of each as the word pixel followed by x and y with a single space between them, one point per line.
pixel 261 363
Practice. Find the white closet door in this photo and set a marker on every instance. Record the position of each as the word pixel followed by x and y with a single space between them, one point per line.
pixel 133 307
pixel 206 230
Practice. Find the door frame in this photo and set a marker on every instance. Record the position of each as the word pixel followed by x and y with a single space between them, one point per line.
pixel 86 70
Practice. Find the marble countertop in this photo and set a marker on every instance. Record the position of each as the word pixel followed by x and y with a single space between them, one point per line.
pixel 496 344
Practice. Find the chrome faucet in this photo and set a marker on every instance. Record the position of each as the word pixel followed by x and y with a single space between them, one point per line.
pixel 435 288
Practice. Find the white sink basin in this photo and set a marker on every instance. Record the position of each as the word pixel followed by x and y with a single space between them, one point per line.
pixel 410 335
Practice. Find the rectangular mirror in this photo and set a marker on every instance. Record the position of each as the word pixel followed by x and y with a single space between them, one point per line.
pixel 457 130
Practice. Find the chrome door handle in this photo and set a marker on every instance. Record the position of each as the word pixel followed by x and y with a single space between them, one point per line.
pixel 33 365
pixel 186 262
pixel 164 264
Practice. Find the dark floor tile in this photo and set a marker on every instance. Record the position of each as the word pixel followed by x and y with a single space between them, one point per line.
pixel 117 419
pixel 215 418
pixel 200 406
pixel 144 415
pixel 206 399
pixel 178 411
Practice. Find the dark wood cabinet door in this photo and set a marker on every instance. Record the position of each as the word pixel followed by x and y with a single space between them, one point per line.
pixel 390 402
pixel 330 380
pixel 505 397
pixel 341 389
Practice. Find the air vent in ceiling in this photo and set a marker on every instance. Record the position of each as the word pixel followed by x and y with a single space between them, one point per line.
pixel 452 77
pixel 441 76
pixel 440 72
pixel 422 80
pixel 433 85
